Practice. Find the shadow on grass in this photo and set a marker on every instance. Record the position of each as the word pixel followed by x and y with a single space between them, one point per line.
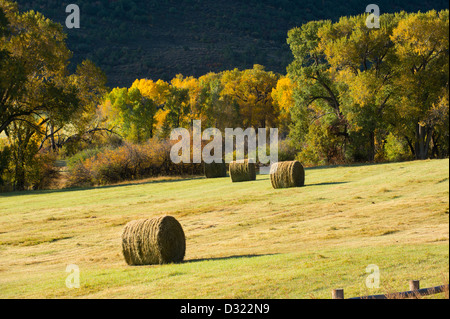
pixel 228 257
pixel 352 165
pixel 74 189
pixel 325 184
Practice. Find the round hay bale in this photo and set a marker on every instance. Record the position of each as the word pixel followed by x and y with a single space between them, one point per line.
pixel 214 170
pixel 287 174
pixel 158 240
pixel 242 171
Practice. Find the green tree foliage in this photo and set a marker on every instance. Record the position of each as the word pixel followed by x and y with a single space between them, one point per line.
pixel 130 114
pixel 216 110
pixel 317 94
pixel 422 45
pixel 362 60
pixel 229 99
pixel 37 96
pixel 366 84
pixel 33 79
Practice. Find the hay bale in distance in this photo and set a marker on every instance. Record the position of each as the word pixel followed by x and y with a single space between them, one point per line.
pixel 287 174
pixel 158 240
pixel 242 171
pixel 214 170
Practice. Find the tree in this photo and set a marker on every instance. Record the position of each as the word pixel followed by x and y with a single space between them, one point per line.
pixel 178 107
pixel 365 84
pixel 217 110
pixel 38 98
pixel 33 72
pixel 90 82
pixel 362 59
pixel 24 142
pixel 4 30
pixel 283 97
pixel 194 90
pixel 130 113
pixel 317 93
pixel 422 45
pixel 252 89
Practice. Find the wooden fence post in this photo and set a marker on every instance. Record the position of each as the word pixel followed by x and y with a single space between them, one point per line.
pixel 337 294
pixel 414 286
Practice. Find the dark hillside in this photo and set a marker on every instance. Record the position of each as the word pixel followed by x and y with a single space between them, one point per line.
pixel 132 39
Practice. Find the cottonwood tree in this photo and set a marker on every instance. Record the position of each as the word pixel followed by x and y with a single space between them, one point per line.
pixel 283 97
pixel 367 84
pixel 172 101
pixel 37 95
pixel 362 60
pixel 317 96
pixel 216 110
pixel 36 63
pixel 251 90
pixel 422 45
pixel 130 114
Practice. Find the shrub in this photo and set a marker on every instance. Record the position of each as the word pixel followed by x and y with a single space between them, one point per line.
pixel 286 150
pixel 395 149
pixel 80 176
pixel 43 172
pixel 82 156
pixel 128 162
pixel 321 146
pixel 39 172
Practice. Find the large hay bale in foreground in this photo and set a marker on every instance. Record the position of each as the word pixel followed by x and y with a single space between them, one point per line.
pixel 159 240
pixel 242 171
pixel 214 170
pixel 287 174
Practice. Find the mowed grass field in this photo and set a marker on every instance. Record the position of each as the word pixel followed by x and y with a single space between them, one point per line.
pixel 244 240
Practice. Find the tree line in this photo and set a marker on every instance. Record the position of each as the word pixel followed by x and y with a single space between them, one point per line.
pixel 368 94
pixel 351 94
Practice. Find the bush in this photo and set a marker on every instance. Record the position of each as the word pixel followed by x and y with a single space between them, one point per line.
pixel 79 175
pixel 321 147
pixel 286 151
pixel 43 173
pixel 38 172
pixel 395 149
pixel 128 162
pixel 82 156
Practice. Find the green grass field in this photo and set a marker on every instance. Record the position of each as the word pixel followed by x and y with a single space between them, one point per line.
pixel 244 240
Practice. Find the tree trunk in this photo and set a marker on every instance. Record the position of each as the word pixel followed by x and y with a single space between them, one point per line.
pixel 435 149
pixel 423 139
pixel 372 146
pixel 52 137
pixel 19 183
pixel 410 145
